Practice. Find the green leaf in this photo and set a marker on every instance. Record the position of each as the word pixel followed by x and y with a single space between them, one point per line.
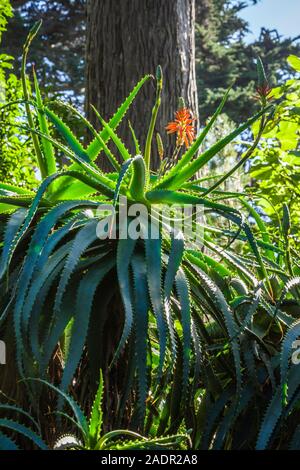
pixel 275 409
pixel 182 288
pixel 219 301
pixel 154 278
pixel 69 137
pixel 192 168
pixel 82 312
pixel 49 156
pixel 122 175
pixel 6 443
pixel 138 180
pixel 159 85
pixel 294 62
pixel 96 419
pixel 78 413
pixel 26 92
pixel 94 148
pixel 116 140
pixel 135 140
pixel 261 74
pixel 141 307
pixel 97 136
pixel 12 228
pixel 174 262
pixel 14 189
pixel 83 239
pixel 36 245
pixel 124 254
pixel 24 431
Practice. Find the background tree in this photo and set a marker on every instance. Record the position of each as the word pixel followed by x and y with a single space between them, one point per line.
pixel 223 57
pixel 222 54
pixel 125 42
pixel 59 52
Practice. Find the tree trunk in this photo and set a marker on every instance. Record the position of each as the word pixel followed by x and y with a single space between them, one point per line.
pixel 127 39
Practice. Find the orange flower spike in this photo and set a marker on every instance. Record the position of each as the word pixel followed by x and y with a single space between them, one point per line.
pixel 183 126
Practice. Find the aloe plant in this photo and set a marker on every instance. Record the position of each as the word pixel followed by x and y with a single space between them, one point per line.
pixel 85 433
pixel 193 325
pixel 90 436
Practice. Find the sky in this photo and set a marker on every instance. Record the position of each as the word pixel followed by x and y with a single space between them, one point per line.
pixel 283 15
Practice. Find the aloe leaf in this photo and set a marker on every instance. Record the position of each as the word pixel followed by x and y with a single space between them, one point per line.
pixel 49 156
pixel 69 137
pixel 159 85
pixel 161 196
pixel 275 409
pixel 138 180
pixel 116 140
pixel 261 225
pixel 26 92
pixel 174 262
pixel 96 419
pixel 82 312
pixel 219 301
pixel 88 168
pixel 182 288
pixel 6 443
pixel 35 307
pixel 9 188
pixel 24 431
pixel 97 136
pixel 37 243
pixel 12 227
pixel 141 307
pixel 94 148
pixel 125 251
pixel 14 202
pixel 153 249
pixel 122 175
pixel 78 413
pixel 83 239
pixel 20 411
pixel 135 140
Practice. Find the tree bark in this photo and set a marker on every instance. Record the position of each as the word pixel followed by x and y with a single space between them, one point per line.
pixel 127 39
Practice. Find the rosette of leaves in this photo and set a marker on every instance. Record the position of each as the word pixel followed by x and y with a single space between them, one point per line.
pixel 165 317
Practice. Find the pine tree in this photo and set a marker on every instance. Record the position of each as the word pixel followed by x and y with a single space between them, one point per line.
pixel 224 58
pixel 59 53
pixel 222 55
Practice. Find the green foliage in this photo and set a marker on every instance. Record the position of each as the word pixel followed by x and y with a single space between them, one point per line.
pixel 16 163
pixel 62 44
pixel 7 442
pixel 92 437
pixel 84 434
pixel 5 13
pixel 276 164
pixel 223 57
